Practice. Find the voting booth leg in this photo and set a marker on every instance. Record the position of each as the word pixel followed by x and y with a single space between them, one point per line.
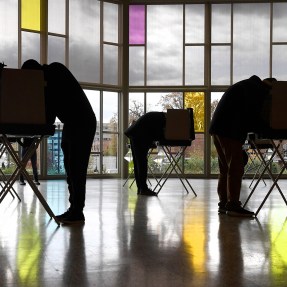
pixel 21 165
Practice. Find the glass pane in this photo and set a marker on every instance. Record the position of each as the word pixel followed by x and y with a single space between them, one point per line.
pixel 194 65
pixel 55 164
pixel 136 106
pixel 194 23
pixel 164 44
pixel 57 16
pixel 30 15
pixel 111 68
pixel 110 153
pixel 251 41
pixel 111 15
pixel 215 98
pixel 136 66
pixel 94 162
pixel 279 62
pixel 110 111
pixel 9 33
pixel 8 164
pixel 137 24
pixel 220 65
pixel 30 46
pixel 163 101
pixel 195 100
pixel 279 22
pixel 84 36
pixel 56 49
pixel 194 156
pixel 221 23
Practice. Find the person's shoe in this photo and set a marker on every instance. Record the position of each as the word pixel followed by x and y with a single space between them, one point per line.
pixel 63 216
pixel 147 192
pixel 222 207
pixel 74 218
pixel 37 182
pixel 235 209
pixel 22 183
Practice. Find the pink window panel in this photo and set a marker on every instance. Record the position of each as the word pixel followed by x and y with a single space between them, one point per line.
pixel 136 24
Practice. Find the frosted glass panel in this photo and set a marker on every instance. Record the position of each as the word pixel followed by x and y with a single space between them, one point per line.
pixel 220 65
pixel 56 16
pixel 84 45
pixel 9 33
pixel 221 23
pixel 164 44
pixel 136 66
pixel 31 14
pixel 137 24
pixel 56 49
pixel 279 22
pixel 194 65
pixel 30 46
pixel 194 23
pixel 111 22
pixel 279 62
pixel 251 40
pixel 110 65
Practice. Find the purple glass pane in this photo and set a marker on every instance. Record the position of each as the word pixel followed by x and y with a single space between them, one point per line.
pixel 137 24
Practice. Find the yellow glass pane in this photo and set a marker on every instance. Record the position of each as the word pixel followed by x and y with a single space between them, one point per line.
pixel 30 13
pixel 195 100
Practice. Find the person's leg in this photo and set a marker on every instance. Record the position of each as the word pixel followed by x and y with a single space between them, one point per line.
pixel 139 152
pixel 234 158
pixel 21 179
pixel 66 149
pixel 232 150
pixel 140 148
pixel 76 145
pixel 223 170
pixel 34 166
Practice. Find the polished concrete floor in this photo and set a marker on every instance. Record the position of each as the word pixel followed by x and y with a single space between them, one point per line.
pixel 173 240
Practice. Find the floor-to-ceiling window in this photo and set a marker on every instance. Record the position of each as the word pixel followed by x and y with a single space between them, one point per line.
pixel 180 55
pixel 84 36
pixel 193 52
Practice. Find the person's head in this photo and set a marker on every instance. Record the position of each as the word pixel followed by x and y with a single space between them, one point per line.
pixel 269 81
pixel 32 65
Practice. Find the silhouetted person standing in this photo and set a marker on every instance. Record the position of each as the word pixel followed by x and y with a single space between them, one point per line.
pixel 66 100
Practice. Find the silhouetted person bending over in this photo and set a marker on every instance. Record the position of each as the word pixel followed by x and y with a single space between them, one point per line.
pixel 142 134
pixel 239 111
pixel 66 100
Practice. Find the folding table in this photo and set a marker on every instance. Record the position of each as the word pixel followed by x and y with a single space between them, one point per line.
pixel 179 134
pixel 274 133
pixel 37 132
pixel 276 143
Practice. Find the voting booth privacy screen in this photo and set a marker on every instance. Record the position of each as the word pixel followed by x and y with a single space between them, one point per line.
pixel 22 98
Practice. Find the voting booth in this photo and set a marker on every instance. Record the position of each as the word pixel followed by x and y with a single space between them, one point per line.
pixel 23 114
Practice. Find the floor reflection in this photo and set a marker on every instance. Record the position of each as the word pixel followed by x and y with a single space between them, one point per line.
pixel 129 240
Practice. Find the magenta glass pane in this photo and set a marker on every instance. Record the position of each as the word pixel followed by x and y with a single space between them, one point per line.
pixel 137 24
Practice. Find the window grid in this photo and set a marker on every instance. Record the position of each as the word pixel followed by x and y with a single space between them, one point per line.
pixel 278 47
